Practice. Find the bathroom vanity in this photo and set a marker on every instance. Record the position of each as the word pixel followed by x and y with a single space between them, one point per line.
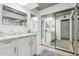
pixel 14 39
pixel 18 45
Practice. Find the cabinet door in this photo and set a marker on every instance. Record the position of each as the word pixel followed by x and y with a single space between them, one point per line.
pixel 11 51
pixel 24 49
pixel 34 46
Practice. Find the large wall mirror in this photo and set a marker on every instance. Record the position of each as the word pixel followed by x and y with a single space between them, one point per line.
pixel 13 17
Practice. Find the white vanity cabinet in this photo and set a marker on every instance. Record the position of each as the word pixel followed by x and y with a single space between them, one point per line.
pixel 20 46
pixel 8 52
pixel 24 48
pixel 27 46
pixel 8 48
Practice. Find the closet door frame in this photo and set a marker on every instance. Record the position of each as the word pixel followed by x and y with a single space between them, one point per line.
pixel 68 28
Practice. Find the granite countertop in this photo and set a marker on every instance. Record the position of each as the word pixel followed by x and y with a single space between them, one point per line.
pixel 16 36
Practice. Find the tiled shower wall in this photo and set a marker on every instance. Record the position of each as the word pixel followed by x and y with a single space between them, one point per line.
pixel 12 28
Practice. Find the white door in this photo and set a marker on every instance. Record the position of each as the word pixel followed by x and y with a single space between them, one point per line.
pixel 11 51
pixel 24 49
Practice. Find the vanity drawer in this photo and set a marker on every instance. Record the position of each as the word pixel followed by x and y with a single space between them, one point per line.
pixel 33 37
pixel 8 43
pixel 26 39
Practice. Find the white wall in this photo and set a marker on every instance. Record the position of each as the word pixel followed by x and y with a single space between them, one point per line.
pixel 36 13
pixel 39 30
pixel 34 26
pixel 12 28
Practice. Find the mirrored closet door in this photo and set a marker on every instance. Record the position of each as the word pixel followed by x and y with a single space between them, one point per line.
pixel 61 30
pixel 48 30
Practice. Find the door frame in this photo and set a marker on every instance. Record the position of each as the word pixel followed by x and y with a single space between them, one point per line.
pixel 68 28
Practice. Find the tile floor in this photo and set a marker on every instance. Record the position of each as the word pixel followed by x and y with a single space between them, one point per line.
pixel 41 48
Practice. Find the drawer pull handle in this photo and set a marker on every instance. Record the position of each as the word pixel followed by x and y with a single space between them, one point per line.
pixel 15 49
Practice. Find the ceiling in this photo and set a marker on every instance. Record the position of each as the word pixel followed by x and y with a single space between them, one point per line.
pixel 45 5
pixel 39 6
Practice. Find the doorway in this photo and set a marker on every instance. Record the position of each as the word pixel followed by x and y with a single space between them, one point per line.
pixel 65 31
pixel 64 43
